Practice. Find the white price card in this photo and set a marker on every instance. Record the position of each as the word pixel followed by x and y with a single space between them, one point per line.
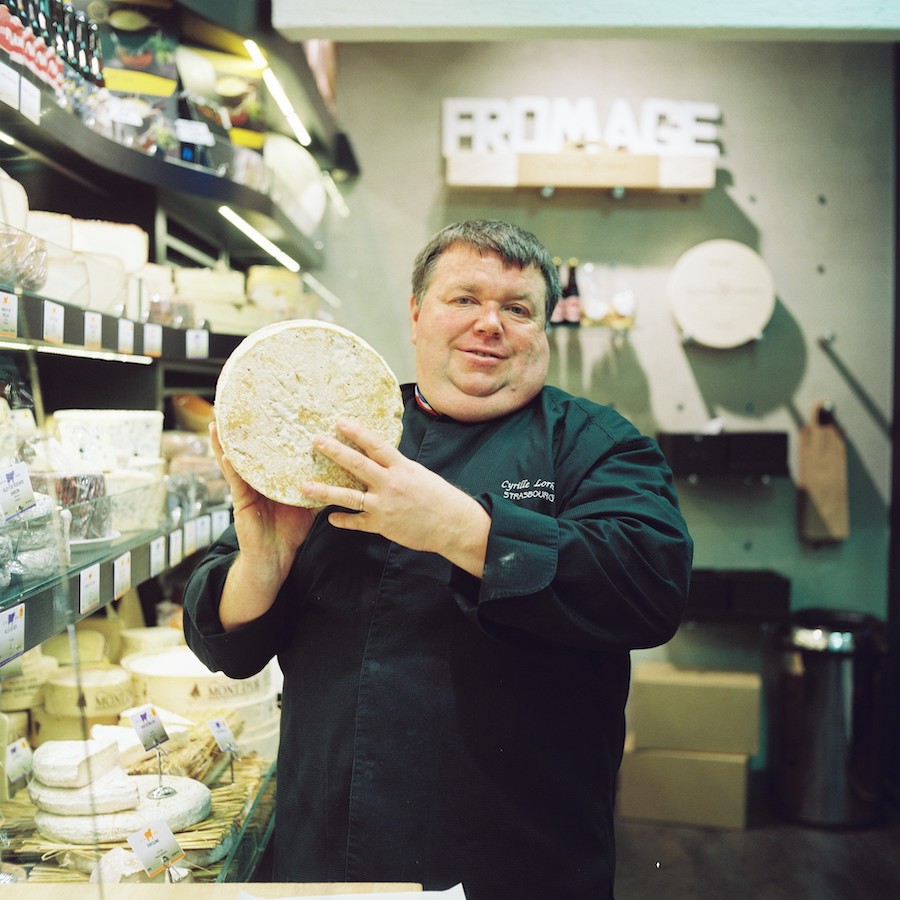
pixel 157 556
pixel 176 547
pixel 18 759
pixel 16 493
pixel 196 343
pixel 223 735
pixel 9 85
pixel 122 574
pixel 204 530
pixel 148 726
pixel 54 322
pixel 221 519
pixel 156 847
pixel 153 339
pixel 89 588
pixel 93 331
pixel 190 131
pixel 12 633
pixel 190 536
pixel 126 336
pixel 9 314
pixel 30 101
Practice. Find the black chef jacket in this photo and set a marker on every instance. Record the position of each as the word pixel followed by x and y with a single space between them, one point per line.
pixel 438 728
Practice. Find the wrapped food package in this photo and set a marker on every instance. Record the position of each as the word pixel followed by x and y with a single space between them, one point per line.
pixel 36 543
pixel 84 495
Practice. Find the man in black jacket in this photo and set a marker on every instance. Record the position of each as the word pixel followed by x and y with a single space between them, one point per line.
pixel 455 639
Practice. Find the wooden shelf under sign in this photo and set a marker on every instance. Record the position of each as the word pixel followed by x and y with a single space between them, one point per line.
pixel 576 169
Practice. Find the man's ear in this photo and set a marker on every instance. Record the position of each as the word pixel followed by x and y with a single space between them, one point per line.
pixel 413 318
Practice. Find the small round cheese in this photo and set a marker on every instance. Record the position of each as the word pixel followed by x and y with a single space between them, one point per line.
pixel 289 381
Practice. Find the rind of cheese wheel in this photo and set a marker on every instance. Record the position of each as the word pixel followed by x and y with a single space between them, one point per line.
pixel 114 791
pixel 73 764
pixel 89 691
pixel 289 381
pixel 191 803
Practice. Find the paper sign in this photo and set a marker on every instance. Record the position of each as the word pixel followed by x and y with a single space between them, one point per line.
pixel 18 759
pixel 153 339
pixel 122 574
pixel 16 493
pixel 190 536
pixel 54 322
pixel 89 588
pixel 12 633
pixel 176 545
pixel 223 735
pixel 221 519
pixel 126 336
pixel 93 330
pixel 9 314
pixel 149 727
pixel 156 847
pixel 157 556
pixel 196 343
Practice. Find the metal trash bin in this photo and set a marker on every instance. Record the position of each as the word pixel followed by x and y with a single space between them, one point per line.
pixel 825 717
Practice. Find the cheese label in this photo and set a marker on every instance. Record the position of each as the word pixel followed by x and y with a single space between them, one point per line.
pixel 89 588
pixel 18 759
pixel 126 336
pixel 93 331
pixel 157 556
pixel 9 314
pixel 16 493
pixel 153 339
pixel 223 735
pixel 176 547
pixel 156 847
pixel 190 536
pixel 54 322
pixel 196 343
pixel 12 634
pixel 122 574
pixel 221 519
pixel 149 727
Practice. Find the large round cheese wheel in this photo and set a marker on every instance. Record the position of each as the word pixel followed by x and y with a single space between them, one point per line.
pixel 290 381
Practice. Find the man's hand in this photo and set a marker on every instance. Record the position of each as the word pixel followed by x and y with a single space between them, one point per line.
pixel 403 501
pixel 268 534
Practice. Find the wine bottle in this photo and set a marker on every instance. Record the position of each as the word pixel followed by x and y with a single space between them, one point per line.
pixel 572 296
pixel 558 316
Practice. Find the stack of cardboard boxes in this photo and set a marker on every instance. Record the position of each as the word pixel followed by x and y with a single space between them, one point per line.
pixel 692 733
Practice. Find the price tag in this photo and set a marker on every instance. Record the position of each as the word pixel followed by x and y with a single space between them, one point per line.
pixel 204 530
pixel 54 322
pixel 196 343
pixel 223 735
pixel 126 336
pixel 89 588
pixel 16 493
pixel 221 519
pixel 153 339
pixel 176 547
pixel 157 556
pixel 122 574
pixel 9 85
pixel 190 536
pixel 156 847
pixel 9 314
pixel 12 633
pixel 148 726
pixel 93 331
pixel 18 759
pixel 192 132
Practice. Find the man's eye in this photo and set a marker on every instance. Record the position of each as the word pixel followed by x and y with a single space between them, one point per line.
pixel 464 301
pixel 523 312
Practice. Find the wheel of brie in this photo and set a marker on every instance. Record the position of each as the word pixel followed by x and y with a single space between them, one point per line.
pixel 289 381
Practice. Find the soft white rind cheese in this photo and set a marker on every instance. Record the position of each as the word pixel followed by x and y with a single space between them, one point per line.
pixel 189 805
pixel 112 792
pixel 73 764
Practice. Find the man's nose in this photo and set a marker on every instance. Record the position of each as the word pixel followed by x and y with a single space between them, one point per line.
pixel 488 319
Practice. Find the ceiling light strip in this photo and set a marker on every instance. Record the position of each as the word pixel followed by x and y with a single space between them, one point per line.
pixel 259 238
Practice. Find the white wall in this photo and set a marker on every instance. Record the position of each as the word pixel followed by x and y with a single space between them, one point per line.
pixel 806 178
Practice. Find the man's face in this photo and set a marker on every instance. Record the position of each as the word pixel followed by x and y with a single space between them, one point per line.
pixel 481 348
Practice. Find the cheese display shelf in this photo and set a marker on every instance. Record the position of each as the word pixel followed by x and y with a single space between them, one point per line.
pixel 99 575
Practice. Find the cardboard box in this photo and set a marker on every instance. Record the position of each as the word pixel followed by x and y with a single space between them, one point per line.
pixel 684 787
pixel 672 708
